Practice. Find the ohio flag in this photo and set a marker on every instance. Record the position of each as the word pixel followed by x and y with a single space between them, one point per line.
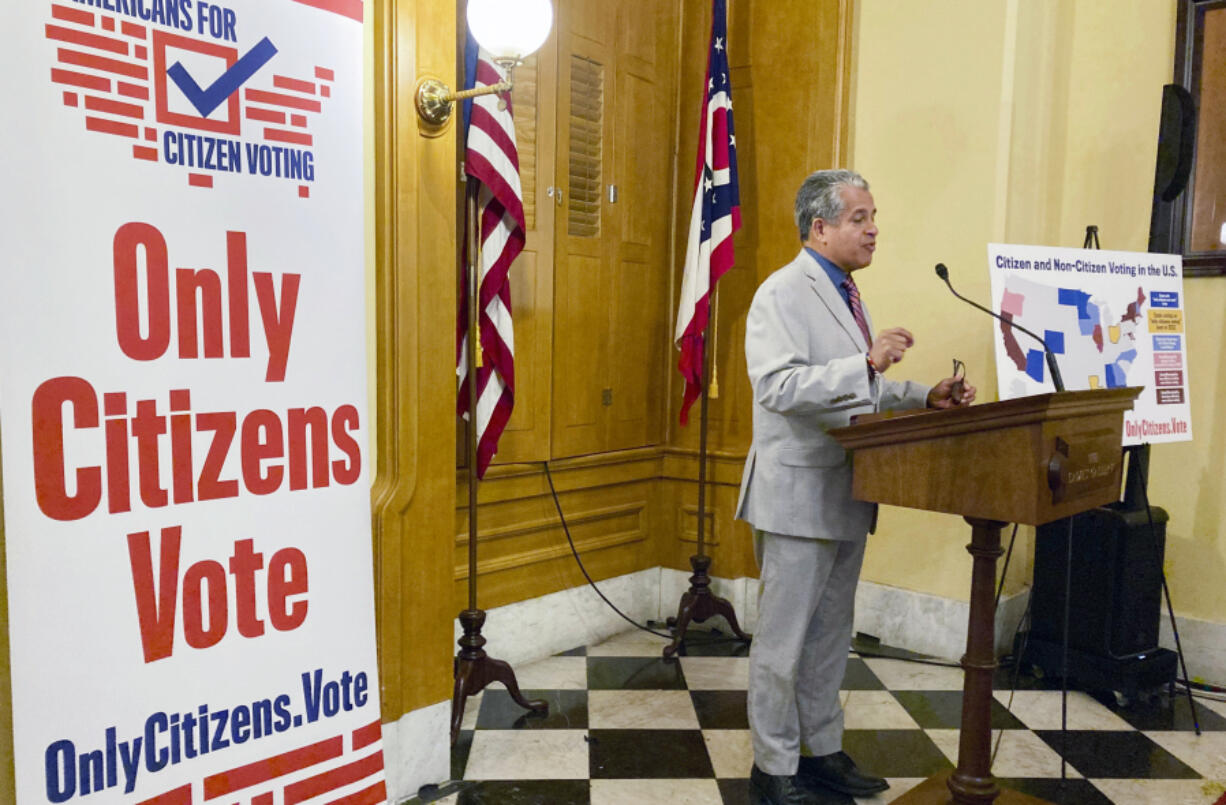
pixel 716 213
pixel 492 162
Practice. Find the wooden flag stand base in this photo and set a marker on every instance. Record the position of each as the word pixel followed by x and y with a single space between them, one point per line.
pixel 473 668
pixel 699 603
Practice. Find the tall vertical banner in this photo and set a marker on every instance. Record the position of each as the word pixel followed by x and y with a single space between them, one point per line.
pixel 1111 318
pixel 183 403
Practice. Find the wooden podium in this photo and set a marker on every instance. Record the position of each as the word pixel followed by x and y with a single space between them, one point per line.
pixel 1029 460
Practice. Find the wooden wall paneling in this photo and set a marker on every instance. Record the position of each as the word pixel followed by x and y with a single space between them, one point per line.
pixel 523 553
pixel 784 130
pixel 582 268
pixel 415 261
pixel 643 154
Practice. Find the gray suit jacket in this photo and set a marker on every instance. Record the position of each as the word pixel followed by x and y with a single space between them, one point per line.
pixel 805 356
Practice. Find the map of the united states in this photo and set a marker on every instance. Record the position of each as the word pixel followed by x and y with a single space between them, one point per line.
pixel 1094 339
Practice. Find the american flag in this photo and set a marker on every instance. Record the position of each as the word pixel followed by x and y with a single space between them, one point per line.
pixel 492 163
pixel 716 213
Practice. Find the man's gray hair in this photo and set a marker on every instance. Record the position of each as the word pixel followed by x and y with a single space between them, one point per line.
pixel 820 196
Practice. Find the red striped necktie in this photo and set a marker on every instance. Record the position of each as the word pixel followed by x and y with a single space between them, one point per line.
pixel 857 310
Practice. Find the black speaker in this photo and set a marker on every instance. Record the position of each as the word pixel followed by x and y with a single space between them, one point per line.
pixel 1176 151
pixel 1115 605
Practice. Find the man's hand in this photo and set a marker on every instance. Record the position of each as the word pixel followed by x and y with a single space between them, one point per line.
pixel 952 392
pixel 889 346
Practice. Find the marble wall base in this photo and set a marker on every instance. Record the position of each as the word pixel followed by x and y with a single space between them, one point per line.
pixel 540 627
pixel 417 750
pixel 1204 646
pixel 929 624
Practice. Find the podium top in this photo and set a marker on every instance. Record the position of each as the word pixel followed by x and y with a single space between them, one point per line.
pixel 1028 460
pixel 894 427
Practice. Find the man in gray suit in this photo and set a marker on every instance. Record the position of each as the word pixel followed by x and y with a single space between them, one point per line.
pixel 813 363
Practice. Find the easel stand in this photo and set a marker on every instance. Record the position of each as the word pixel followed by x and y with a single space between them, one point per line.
pixel 473 668
pixel 699 603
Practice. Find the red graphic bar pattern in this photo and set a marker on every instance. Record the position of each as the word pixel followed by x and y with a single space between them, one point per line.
pixel 179 796
pixel 227 782
pixel 346 8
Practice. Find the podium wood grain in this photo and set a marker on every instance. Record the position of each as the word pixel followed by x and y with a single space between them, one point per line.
pixel 1029 460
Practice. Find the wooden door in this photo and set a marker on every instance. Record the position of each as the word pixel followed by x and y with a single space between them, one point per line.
pixel 585 230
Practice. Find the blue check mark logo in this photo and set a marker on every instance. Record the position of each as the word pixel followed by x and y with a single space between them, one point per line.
pixel 206 100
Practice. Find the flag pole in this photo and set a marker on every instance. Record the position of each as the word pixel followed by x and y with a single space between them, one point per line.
pixel 699 603
pixel 473 668
pixel 716 169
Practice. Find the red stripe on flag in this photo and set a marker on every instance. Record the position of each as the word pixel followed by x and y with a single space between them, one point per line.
pixel 82 80
pixel 367 796
pixel 295 84
pixel 325 91
pixel 482 119
pixel 179 796
pixel 304 191
pixel 108 23
pixel 151 134
pixel 365 736
pixel 266 115
pixel 73 15
pixel 145 152
pixel 111 127
pixel 199 180
pixel 283 136
pixel 278 99
pixel 70 99
pixel 298 120
pixel 134 30
pixel 96 104
pixel 325 74
pixel 263 799
pixel 133 90
pixel 346 8
pixel 226 782
pixel 85 39
pixel 333 779
pixel 102 63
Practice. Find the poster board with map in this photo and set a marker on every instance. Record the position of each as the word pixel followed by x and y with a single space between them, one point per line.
pixel 1112 318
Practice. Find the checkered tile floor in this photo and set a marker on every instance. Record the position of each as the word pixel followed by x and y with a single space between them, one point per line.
pixel 625 726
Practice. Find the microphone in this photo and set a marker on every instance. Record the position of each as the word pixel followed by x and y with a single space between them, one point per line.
pixel 1056 380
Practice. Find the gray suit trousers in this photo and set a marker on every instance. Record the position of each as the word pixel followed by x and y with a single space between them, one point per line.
pixel 800 646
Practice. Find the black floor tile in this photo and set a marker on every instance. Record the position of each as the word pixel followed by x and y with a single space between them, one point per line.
pixel 459 754
pixel 895 753
pixel 714 643
pixel 634 673
pixel 1057 791
pixel 1116 754
pixel 656 754
pixel 721 709
pixel 859 676
pixel 867 646
pixel 525 792
pixel 734 792
pixel 1005 678
pixel 567 711
pixel 1166 714
pixel 942 709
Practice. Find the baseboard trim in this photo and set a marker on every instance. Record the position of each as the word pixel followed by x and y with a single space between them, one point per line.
pixel 417 750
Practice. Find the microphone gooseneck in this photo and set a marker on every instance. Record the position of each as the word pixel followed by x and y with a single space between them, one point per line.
pixel 1056 380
